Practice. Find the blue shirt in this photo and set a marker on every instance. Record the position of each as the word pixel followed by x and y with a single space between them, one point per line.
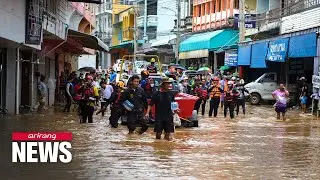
pixel 304 99
pixel 113 77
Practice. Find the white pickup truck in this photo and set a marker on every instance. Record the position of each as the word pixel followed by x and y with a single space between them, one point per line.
pixel 262 88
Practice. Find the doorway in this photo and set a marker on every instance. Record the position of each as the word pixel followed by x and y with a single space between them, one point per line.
pixel 25 79
pixel 3 69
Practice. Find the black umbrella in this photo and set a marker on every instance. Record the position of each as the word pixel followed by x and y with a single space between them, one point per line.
pixel 87 69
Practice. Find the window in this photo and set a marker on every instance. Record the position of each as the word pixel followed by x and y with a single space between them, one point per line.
pixel 208 7
pixel 109 21
pixel 50 6
pixel 199 10
pixel 236 4
pixel 202 9
pixel 104 24
pixel 269 78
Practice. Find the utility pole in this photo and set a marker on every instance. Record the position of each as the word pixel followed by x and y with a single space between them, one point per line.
pixel 241 21
pixel 242 28
pixel 135 45
pixel 178 31
pixel 100 36
pixel 145 37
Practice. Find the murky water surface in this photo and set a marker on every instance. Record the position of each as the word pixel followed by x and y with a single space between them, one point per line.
pixel 255 146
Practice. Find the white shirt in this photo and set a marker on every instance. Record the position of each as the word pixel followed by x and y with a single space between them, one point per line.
pixel 107 92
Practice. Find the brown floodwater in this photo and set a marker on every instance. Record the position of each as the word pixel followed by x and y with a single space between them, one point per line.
pixel 255 146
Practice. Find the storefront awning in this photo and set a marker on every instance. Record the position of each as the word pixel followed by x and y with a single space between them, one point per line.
pixel 216 40
pixel 303 46
pixel 258 55
pixel 194 54
pixel 123 45
pixel 87 40
pixel 244 55
pixel 87 1
pixel 163 40
pixel 277 51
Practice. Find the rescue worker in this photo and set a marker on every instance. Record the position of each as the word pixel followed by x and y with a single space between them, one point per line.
pixel 231 94
pixel 78 95
pixel 146 83
pixel 89 95
pixel 241 101
pixel 202 92
pixel 215 92
pixel 162 100
pixel 152 68
pixel 115 106
pixel 135 96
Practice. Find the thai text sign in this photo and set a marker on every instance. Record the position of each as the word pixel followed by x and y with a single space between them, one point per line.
pixel 316 81
pixel 231 58
pixel 34 18
pixel 277 50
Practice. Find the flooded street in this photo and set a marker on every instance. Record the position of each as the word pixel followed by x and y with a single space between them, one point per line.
pixel 255 146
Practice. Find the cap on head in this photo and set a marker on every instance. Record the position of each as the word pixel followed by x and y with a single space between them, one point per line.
pixel 152 60
pixel 167 80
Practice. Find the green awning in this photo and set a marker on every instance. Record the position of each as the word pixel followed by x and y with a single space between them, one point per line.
pixel 213 41
pixel 123 45
pixel 126 44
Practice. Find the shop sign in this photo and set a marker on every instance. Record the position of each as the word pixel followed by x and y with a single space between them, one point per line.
pixel 231 58
pixel 277 50
pixel 316 81
pixel 249 20
pixel 34 19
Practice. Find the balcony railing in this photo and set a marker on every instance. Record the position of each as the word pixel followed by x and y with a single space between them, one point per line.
pixel 292 7
pixel 152 21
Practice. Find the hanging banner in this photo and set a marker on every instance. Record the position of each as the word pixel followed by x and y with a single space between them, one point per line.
pixel 231 58
pixel 34 19
pixel 250 21
pixel 277 51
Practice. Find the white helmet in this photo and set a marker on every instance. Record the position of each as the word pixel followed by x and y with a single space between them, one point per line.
pixel 233 78
pixel 241 81
pixel 230 82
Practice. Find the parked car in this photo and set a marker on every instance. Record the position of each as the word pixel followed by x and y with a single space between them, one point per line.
pixel 262 88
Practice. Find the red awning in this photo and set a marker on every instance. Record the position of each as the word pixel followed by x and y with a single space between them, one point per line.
pixel 70 46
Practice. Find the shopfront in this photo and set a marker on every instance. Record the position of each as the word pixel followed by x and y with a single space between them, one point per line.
pixel 208 48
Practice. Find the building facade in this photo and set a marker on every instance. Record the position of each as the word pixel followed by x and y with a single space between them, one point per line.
pixel 123 19
pixel 45 39
pixel 104 30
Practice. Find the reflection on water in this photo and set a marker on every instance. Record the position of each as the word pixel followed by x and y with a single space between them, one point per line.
pixel 252 147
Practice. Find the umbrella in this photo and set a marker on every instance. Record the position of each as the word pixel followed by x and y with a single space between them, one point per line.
pixel 224 68
pixel 177 66
pixel 87 69
pixel 204 70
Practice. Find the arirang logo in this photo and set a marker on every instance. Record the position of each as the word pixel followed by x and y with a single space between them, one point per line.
pixel 41 147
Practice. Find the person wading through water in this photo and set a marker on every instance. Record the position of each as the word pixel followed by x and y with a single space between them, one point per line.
pixel 137 99
pixel 162 99
pixel 89 95
pixel 281 96
pixel 70 92
pixel 231 96
pixel 215 92
pixel 116 109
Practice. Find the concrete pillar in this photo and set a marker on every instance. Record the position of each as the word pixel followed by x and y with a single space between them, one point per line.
pixel 317 59
pixel 215 63
pixel 11 80
pixel 51 82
